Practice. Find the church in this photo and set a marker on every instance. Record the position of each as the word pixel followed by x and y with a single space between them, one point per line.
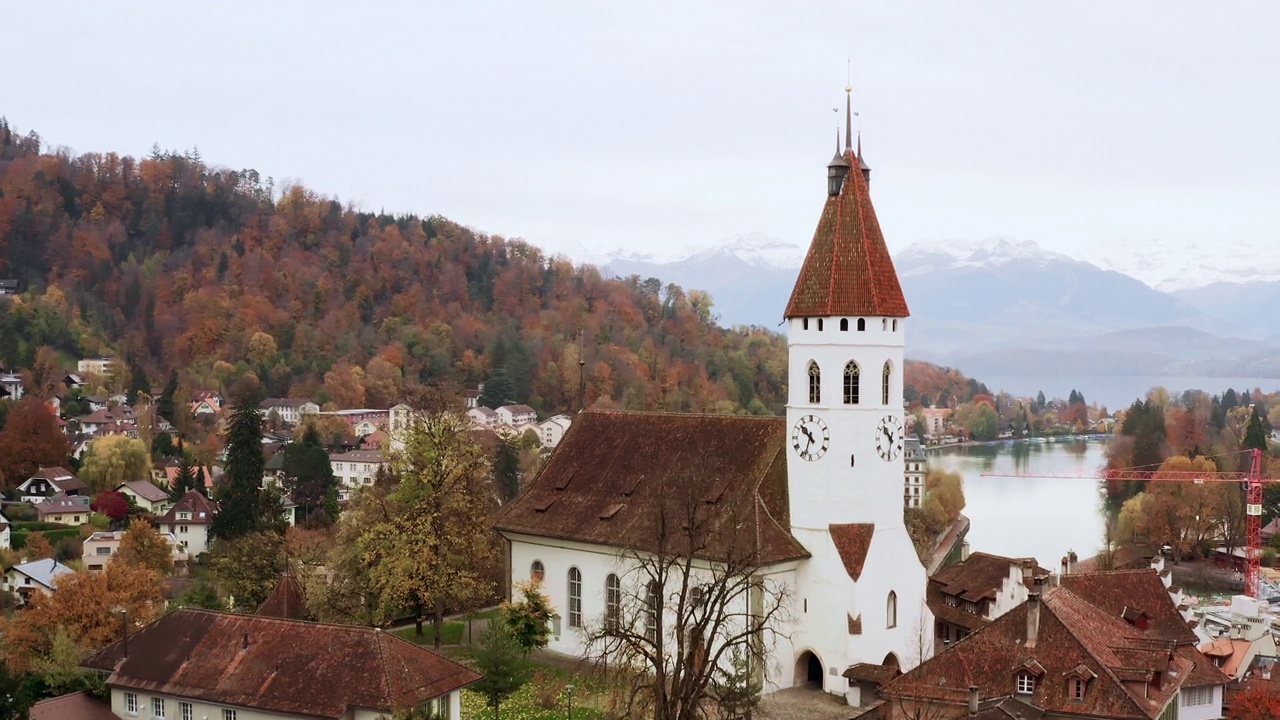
pixel 816 495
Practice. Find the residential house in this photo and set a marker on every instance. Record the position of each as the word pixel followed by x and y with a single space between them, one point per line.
pixel 354 469
pixel 38 576
pixel 914 467
pixel 189 520
pixel 100 547
pixel 95 366
pixel 72 706
pixel 146 495
pixel 11 386
pixel 10 286
pixel 362 421
pixel 483 417
pixel 967 596
pixel 195 663
pixel 551 430
pixel 516 415
pixel 1098 645
pixel 1234 636
pixel 935 421
pixel 73 381
pixel 47 482
pixel 471 398
pixel 5 535
pixel 64 509
pixel 206 407
pixel 290 411
pixel 96 402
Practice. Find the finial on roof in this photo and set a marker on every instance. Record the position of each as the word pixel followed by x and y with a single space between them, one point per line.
pixel 848 117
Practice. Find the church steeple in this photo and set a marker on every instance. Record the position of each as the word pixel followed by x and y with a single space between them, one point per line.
pixel 848 270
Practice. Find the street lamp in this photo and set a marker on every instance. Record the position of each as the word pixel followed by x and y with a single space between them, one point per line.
pixel 569 688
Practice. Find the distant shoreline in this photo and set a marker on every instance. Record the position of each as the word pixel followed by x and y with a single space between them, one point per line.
pixel 1020 441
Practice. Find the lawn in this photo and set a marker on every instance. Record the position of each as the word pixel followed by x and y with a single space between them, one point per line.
pixel 545 697
pixel 453 633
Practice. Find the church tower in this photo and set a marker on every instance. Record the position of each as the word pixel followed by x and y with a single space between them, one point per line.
pixel 862 591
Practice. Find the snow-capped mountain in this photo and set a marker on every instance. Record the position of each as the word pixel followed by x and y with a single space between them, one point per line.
pixel 928 256
pixel 1173 267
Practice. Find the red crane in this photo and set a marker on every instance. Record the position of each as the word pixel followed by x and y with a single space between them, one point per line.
pixel 1252 479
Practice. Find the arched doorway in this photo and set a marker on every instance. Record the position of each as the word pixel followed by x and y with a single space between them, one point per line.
pixel 808 670
pixel 891 661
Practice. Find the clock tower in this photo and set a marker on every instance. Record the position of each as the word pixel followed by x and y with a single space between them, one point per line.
pixel 862 591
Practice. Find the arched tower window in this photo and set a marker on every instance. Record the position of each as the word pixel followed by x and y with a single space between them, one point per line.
pixel 884 386
pixel 537 572
pixel 862 324
pixel 815 383
pixel 612 602
pixel 851 377
pixel 819 324
pixel 891 610
pixel 844 324
pixel 575 597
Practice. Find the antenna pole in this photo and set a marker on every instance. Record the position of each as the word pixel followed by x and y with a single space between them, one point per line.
pixel 582 373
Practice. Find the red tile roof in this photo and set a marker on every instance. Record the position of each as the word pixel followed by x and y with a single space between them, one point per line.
pixel 285 601
pixel 1121 592
pixel 976 579
pixel 617 474
pixel 1075 638
pixel 75 706
pixel 277 665
pixel 852 541
pixel 202 510
pixel 848 270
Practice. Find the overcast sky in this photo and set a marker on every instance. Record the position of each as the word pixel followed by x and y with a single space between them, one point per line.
pixel 664 125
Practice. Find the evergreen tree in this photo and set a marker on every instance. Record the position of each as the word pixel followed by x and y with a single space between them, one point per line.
pixel 241 507
pixel 503 662
pixel 506 469
pixel 138 383
pixel 186 479
pixel 498 390
pixel 1229 399
pixel 1144 422
pixel 165 406
pixel 1255 432
pixel 309 476
pixel 1040 402
pixel 530 619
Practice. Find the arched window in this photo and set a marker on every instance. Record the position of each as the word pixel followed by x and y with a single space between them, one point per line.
pixel 804 323
pixel 895 325
pixel 862 324
pixel 575 597
pixel 1026 683
pixel 652 607
pixel 612 602
pixel 851 381
pixel 884 323
pixel 884 388
pixel 819 324
pixel 844 324
pixel 815 383
pixel 537 572
pixel 891 610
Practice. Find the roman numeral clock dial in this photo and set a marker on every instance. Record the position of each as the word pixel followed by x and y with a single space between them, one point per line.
pixel 889 437
pixel 810 438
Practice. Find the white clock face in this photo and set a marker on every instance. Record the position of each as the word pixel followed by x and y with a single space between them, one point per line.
pixel 809 438
pixel 889 437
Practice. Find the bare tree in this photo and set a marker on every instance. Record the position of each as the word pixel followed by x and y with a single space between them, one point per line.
pixel 689 615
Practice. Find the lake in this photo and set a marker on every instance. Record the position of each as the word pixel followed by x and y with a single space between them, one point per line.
pixel 1118 391
pixel 1030 516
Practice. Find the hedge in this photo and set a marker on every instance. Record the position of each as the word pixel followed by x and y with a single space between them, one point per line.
pixel 18 539
pixel 32 526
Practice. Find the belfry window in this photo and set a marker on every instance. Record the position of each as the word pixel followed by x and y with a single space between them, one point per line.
pixel 891 610
pixel 815 383
pixel 851 377
pixel 884 389
pixel 862 324
pixel 844 324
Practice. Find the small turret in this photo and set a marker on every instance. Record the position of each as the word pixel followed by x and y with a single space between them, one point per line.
pixel 837 170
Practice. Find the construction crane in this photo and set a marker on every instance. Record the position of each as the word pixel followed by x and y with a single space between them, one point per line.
pixel 1252 480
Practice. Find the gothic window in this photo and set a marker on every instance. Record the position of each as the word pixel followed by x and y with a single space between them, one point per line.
pixel 1026 683
pixel 851 377
pixel 862 324
pixel 891 610
pixel 537 572
pixel 884 387
pixel 815 383
pixel 844 324
pixel 575 597
pixel 612 601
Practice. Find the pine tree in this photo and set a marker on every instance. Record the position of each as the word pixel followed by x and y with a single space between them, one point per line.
pixel 498 390
pixel 1255 432
pixel 504 664
pixel 309 475
pixel 241 508
pixel 186 479
pixel 165 406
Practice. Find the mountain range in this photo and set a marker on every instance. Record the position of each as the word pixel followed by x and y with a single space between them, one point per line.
pixel 1004 306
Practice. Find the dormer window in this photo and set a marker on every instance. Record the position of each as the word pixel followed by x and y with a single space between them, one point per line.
pixel 1026 683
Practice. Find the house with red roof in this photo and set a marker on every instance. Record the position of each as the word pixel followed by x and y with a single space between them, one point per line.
pixel 47 482
pixel 202 664
pixel 189 520
pixel 815 499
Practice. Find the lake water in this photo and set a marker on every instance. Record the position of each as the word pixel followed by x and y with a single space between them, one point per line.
pixel 1030 516
pixel 1119 391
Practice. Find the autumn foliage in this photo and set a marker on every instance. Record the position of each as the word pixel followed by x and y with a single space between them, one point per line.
pixel 30 440
pixel 1259 700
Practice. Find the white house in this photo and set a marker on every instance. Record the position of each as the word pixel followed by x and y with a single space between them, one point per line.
pixel 826 480
pixel 47 482
pixel 146 495
pixel 100 547
pixel 516 415
pixel 95 366
pixel 914 465
pixel 354 469
pixel 37 576
pixel 189 520
pixel 483 417
pixel 289 410
pixel 552 430
pixel 11 386
pixel 250 667
pixel 4 532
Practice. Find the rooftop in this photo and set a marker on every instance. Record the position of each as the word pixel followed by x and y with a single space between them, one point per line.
pixel 44 572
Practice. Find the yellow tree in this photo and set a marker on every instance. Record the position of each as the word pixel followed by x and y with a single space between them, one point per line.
pixel 113 459
pixel 144 547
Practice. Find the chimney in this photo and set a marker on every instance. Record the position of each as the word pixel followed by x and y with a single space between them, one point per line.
pixel 1066 566
pixel 1026 574
pixel 973 701
pixel 964 551
pixel 244 642
pixel 1033 615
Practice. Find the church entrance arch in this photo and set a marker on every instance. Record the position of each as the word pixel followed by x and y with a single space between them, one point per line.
pixel 808 670
pixel 891 661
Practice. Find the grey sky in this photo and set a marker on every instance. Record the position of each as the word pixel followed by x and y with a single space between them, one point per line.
pixel 661 125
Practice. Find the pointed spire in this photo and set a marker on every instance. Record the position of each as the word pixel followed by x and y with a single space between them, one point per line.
pixel 848 117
